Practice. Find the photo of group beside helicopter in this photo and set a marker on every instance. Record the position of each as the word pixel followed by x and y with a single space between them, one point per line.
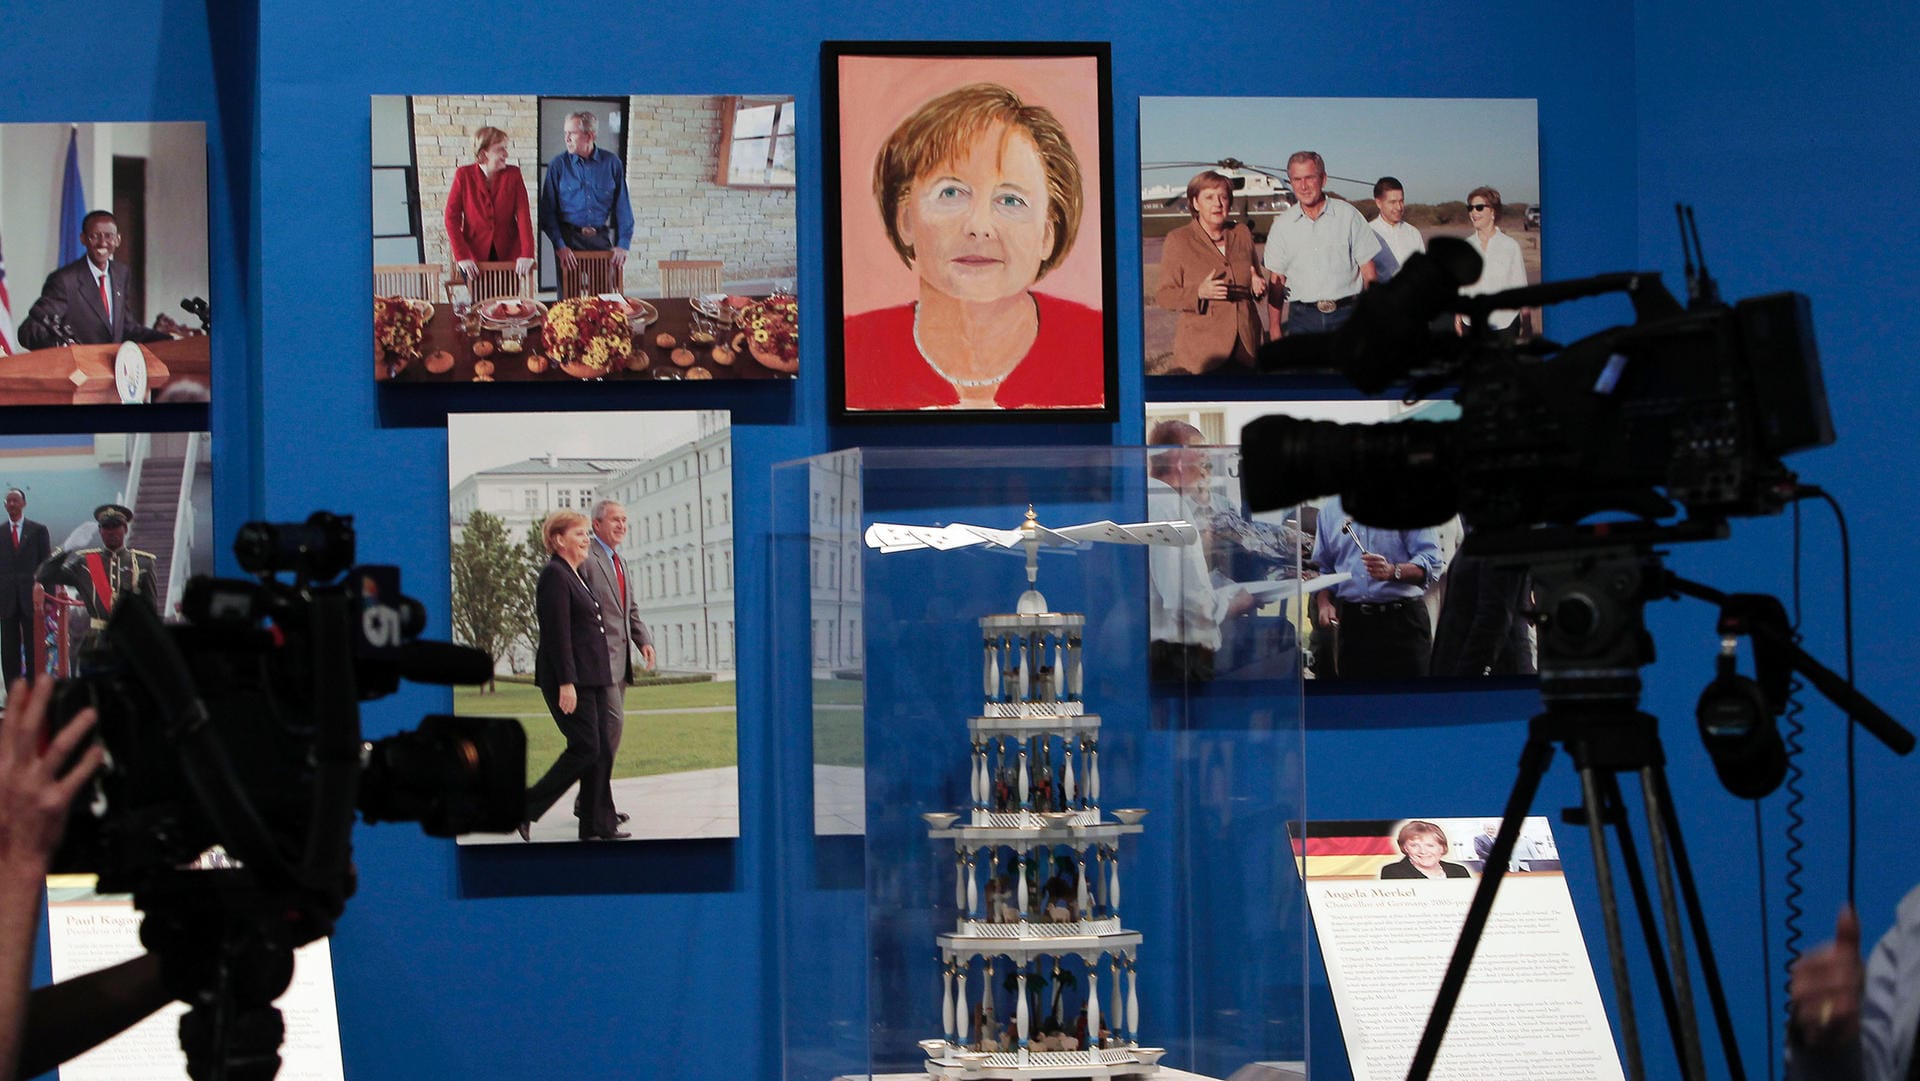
pixel 1262 218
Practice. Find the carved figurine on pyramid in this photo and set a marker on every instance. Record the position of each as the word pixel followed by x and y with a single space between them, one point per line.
pixel 1036 863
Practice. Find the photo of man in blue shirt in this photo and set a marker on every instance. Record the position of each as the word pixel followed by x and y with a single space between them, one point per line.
pixel 583 199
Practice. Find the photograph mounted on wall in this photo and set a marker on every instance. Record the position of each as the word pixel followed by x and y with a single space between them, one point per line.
pixel 592 559
pixel 103 264
pixel 970 208
pixel 90 521
pixel 1311 585
pixel 1265 219
pixel 521 237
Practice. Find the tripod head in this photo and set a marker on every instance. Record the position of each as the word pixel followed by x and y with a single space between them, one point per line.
pixel 1591 586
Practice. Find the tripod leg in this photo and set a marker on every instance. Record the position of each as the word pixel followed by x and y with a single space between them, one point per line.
pixel 1696 916
pixel 1643 907
pixel 1534 759
pixel 1610 917
pixel 1669 855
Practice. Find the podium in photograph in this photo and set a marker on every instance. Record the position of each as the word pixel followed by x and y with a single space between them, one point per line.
pixel 85 374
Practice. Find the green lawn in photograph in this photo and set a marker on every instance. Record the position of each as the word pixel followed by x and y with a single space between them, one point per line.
pixel 838 739
pixel 696 731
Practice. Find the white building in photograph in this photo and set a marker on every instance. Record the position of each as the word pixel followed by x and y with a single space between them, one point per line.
pixel 834 551
pixel 524 492
pixel 679 546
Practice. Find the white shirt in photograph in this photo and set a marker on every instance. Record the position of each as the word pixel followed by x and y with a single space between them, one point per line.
pixel 1398 243
pixel 1502 268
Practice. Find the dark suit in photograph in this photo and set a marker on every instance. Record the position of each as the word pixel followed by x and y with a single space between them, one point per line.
pixel 1404 868
pixel 70 294
pixel 1481 630
pixel 607 575
pixel 22 550
pixel 573 650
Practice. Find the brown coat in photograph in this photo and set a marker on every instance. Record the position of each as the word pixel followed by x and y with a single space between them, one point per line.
pixel 1202 341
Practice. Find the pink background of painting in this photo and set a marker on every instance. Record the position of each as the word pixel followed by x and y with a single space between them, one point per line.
pixel 877 92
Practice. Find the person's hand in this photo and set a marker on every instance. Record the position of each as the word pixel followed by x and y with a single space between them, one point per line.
pixel 1214 286
pixel 468 268
pixel 36 783
pixel 1324 613
pixel 1460 326
pixel 1258 284
pixel 646 654
pixel 564 256
pixel 569 698
pixel 619 257
pixel 523 266
pixel 1240 603
pixel 1377 566
pixel 1824 988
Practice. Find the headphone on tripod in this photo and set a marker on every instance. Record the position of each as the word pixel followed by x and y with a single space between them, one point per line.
pixel 1736 714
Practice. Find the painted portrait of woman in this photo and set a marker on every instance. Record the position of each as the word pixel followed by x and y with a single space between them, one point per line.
pixel 972 232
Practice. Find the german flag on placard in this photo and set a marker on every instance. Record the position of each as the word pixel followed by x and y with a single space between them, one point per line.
pixel 1354 849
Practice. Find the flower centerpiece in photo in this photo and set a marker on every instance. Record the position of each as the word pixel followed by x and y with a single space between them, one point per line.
pixel 589 331
pixel 772 329
pixel 399 324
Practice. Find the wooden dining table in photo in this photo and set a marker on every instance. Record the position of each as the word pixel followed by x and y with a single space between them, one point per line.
pixel 510 339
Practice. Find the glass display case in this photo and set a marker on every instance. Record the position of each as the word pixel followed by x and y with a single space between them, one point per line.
pixel 1038 734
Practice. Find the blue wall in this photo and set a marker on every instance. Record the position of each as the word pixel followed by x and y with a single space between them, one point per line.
pixel 1791 130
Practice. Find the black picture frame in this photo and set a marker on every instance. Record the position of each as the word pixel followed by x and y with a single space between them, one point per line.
pixel 1087 270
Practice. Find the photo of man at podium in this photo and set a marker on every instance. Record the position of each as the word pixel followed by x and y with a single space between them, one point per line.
pixel 85 301
pixel 112 218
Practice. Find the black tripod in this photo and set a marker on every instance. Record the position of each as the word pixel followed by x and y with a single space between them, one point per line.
pixel 226 950
pixel 1593 641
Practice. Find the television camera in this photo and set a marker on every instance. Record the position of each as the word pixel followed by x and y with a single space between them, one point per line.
pixel 1685 412
pixel 235 767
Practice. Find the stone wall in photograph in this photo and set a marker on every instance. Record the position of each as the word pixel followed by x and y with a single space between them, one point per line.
pixel 443 127
pixel 673 163
pixel 680 210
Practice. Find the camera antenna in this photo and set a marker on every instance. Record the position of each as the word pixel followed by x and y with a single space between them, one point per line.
pixel 1701 288
pixel 1686 250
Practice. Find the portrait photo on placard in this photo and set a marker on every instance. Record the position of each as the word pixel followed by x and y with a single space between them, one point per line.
pixel 1418 848
pixel 1365 603
pixel 1265 219
pixel 970 235
pixel 592 559
pixel 526 237
pixel 103 264
pixel 91 521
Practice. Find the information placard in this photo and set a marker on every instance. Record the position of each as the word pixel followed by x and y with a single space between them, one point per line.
pixel 1389 898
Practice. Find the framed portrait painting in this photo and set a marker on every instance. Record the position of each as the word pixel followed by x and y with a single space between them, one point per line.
pixel 970 197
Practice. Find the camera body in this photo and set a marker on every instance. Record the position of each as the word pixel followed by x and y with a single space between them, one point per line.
pixel 239 726
pixel 1692 407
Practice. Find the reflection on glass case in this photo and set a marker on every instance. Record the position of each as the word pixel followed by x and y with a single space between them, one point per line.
pixel 1023 671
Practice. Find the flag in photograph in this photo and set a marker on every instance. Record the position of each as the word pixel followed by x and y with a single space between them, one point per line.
pixel 73 204
pixel 8 347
